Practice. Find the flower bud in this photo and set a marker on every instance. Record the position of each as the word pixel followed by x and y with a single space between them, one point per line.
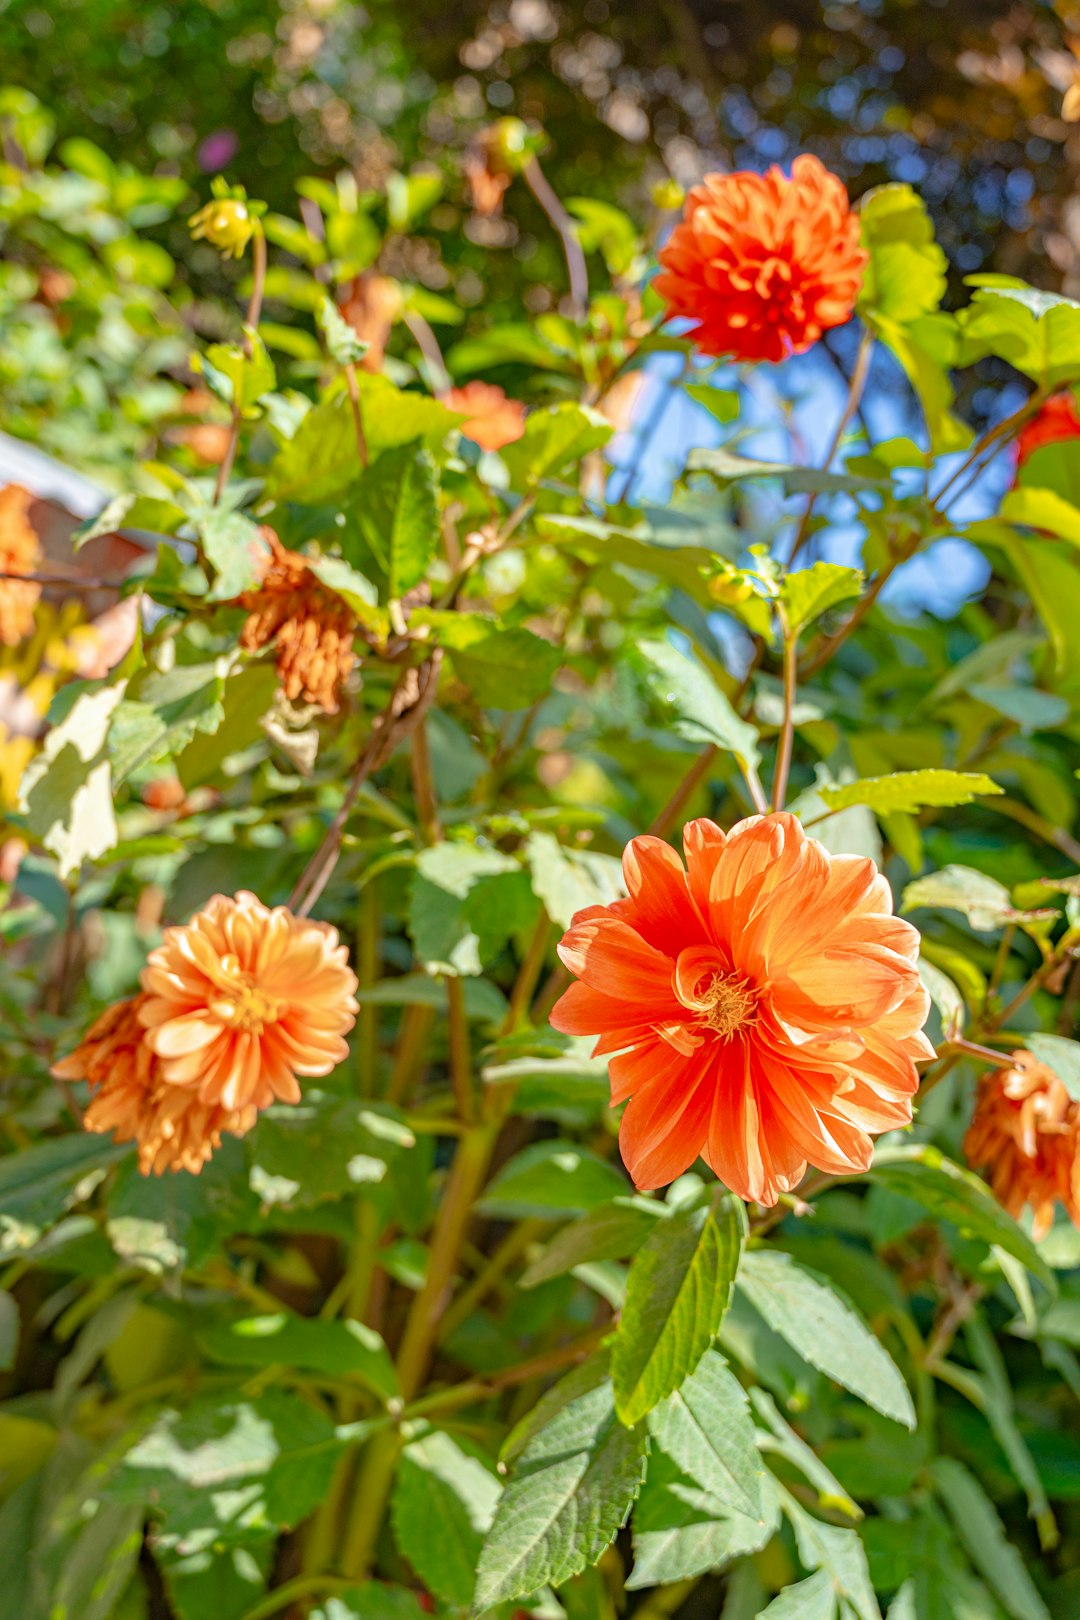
pixel 226 223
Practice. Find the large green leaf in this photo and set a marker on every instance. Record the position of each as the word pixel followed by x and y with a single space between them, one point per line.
pixel 503 667
pixel 1037 332
pixel 825 1331
pixel 676 1295
pixel 443 1504
pixel 568 880
pixel 905 277
pixel 705 1426
pixel 322 458
pixel 395 513
pixel 465 901
pixel 551 1178
pixel 39 1183
pixel 984 901
pixel 810 592
pixel 282 1339
pixel 570 1493
pixel 910 791
pixel 838 1553
pixel 67 790
pixel 608 1232
pixel 162 710
pixel 920 1171
pixel 556 438
pixel 812 1599
pixel 682 1531
pixel 695 705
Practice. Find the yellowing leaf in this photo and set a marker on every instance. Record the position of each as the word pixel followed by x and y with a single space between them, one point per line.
pixel 810 592
pixel 908 791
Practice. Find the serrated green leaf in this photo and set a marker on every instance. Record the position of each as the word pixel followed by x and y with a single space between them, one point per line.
pixel 984 901
pixel 321 460
pixel 234 546
pixel 233 375
pixel 504 667
pixel 839 1554
pixel 682 1531
pixel 161 712
pixel 396 514
pixel 452 920
pixel 131 512
pixel 66 792
pixel 910 791
pixel 906 275
pixel 728 468
pixel 810 592
pixel 676 1294
pixel 342 341
pixel 698 709
pixel 825 1331
pixel 568 880
pixel 556 438
pixel 812 1599
pixel 1037 332
pixel 573 1487
pixel 443 1504
pixel 920 1171
pixel 705 1427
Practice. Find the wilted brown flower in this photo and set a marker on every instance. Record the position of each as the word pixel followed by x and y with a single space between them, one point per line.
pixel 372 306
pixel 20 553
pixel 491 161
pixel 173 1128
pixel 312 628
pixel 1025 1132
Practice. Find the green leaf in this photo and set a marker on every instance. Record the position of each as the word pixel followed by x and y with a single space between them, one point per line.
pixel 233 376
pixel 810 592
pixel 778 1436
pixel 572 1489
pixel 568 880
pixel 342 342
pixel 283 1339
pixel 676 1294
pixel 348 583
pixel 920 1171
pixel 503 668
pixel 906 275
pixel 728 468
pixel 9 1332
pixel 1042 509
pixel 984 901
pixel 839 1554
pixel 705 1427
pixel 722 403
pixel 233 545
pixel 825 1331
pixel 910 791
pixel 442 1508
pixel 556 438
pixel 66 792
pixel 812 1599
pixel 322 459
pixel 231 1469
pixel 550 1178
pixel 247 697
pixel 608 1232
pixel 1059 1054
pixel 697 708
pixel 1037 332
pixel 374 1600
pixel 682 1531
pixel 325 1146
pixel 143 512
pixel 161 712
pixel 946 998
pixel 455 915
pixel 983 1535
pixel 397 515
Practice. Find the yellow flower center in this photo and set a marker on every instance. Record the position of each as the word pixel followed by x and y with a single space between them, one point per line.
pixel 726 1003
pixel 248 1008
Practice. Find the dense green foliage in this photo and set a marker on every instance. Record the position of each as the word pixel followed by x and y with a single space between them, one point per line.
pixel 415 1341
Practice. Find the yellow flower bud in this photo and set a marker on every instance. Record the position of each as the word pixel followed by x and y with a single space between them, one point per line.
pixel 668 194
pixel 226 224
pixel 731 589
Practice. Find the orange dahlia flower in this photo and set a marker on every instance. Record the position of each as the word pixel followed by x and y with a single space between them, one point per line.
pixel 764 1003
pixel 491 420
pixel 1058 421
pixel 173 1128
pixel 242 999
pixel 1025 1132
pixel 312 628
pixel 20 553
pixel 764 264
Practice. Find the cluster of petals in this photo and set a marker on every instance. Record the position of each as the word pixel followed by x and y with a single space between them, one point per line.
pixel 371 306
pixel 491 419
pixel 234 1006
pixel 131 1100
pixel 763 1004
pixel 763 264
pixel 1057 422
pixel 20 553
pixel 311 627
pixel 1025 1133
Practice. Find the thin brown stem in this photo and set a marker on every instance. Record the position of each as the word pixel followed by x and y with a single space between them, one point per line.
pixel 577 270
pixel 254 310
pixel 993 438
pixel 669 814
pixel 357 415
pixel 428 344
pixel 787 730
